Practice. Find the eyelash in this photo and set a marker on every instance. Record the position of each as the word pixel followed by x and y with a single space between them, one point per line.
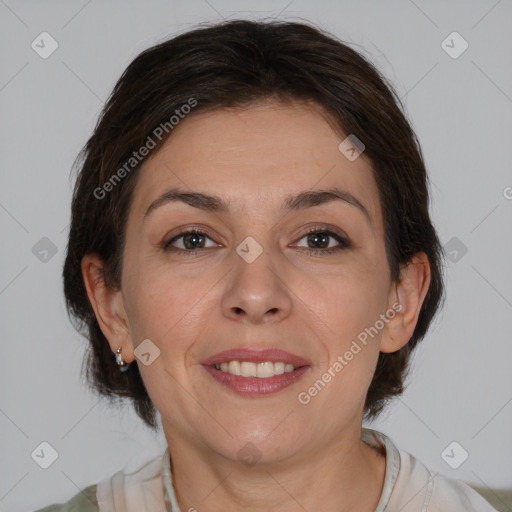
pixel 344 243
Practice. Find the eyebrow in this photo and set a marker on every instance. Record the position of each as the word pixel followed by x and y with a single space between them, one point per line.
pixel 301 201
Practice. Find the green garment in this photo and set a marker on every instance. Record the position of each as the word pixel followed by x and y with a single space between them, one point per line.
pixel 84 501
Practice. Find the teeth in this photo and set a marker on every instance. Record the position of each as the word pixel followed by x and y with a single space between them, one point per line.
pixel 234 367
pixel 248 369
pixel 279 368
pixel 265 370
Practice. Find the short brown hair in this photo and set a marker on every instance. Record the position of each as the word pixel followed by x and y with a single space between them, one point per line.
pixel 231 64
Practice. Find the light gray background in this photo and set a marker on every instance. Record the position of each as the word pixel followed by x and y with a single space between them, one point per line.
pixel 461 108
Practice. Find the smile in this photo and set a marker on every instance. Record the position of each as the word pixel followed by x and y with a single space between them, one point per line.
pixel 254 386
pixel 261 370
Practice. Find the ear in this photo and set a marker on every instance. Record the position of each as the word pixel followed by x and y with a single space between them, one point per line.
pixel 409 292
pixel 108 306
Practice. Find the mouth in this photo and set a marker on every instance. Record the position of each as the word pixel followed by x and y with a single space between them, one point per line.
pixel 256 373
pixel 262 370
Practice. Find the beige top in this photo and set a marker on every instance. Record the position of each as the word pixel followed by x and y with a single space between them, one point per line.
pixel 409 486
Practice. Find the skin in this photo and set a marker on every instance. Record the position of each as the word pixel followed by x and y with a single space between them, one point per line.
pixel 192 307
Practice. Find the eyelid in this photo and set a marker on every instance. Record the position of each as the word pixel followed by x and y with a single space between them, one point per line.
pixel 322 227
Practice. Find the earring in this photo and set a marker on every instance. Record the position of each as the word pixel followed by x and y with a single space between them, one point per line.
pixel 119 360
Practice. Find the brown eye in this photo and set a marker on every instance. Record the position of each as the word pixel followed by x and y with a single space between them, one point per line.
pixel 322 242
pixel 193 240
pixel 318 240
pixel 190 241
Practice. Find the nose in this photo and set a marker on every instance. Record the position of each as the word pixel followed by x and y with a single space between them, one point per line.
pixel 257 291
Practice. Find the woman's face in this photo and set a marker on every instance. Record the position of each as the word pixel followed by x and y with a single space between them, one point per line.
pixel 255 278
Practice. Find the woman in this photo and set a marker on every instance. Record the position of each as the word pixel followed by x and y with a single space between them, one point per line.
pixel 251 256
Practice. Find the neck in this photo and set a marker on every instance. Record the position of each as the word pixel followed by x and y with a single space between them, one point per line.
pixel 341 477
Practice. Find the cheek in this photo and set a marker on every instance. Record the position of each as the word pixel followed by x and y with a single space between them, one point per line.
pixel 346 301
pixel 343 327
pixel 166 307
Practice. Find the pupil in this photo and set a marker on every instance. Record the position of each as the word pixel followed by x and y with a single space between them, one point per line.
pixel 190 239
pixel 315 237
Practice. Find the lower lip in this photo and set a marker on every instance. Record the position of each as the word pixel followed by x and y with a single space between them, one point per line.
pixel 255 387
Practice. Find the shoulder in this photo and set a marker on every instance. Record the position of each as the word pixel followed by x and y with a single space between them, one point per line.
pixel 84 501
pixel 410 486
pixel 143 489
pixel 454 493
pixel 419 488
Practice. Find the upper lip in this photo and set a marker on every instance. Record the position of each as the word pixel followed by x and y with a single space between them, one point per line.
pixel 256 356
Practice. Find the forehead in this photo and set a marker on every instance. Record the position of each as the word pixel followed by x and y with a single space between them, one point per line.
pixel 255 156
